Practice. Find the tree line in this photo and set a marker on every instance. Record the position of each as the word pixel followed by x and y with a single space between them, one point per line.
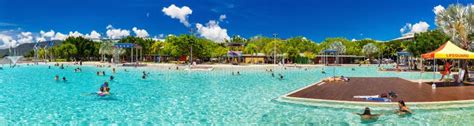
pixel 79 48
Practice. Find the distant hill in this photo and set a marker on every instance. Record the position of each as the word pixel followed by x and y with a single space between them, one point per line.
pixel 26 48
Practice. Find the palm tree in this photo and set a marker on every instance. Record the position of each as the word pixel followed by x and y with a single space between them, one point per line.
pixel 369 49
pixel 457 21
pixel 156 47
pixel 251 49
pixel 309 55
pixel 339 47
pixel 106 48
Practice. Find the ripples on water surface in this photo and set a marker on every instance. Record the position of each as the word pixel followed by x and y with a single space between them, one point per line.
pixel 29 95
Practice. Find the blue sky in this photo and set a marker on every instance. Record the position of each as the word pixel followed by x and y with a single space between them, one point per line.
pixel 314 19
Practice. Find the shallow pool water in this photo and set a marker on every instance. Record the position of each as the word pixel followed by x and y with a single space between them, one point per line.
pixel 30 95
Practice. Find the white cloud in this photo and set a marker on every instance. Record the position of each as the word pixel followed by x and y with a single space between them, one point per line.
pixel 75 34
pixel 113 33
pixel 415 28
pixel 353 40
pixel 142 33
pixel 25 37
pixel 157 38
pixel 109 27
pixel 438 9
pixel 178 13
pixel 222 17
pixel 7 41
pixel 59 36
pixel 48 34
pixel 52 35
pixel 94 35
pixel 212 31
pixel 40 39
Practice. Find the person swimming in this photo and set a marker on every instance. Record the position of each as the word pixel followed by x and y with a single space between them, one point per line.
pixel 64 79
pixel 281 76
pixel 111 78
pixel 104 89
pixel 402 108
pixel 238 73
pixel 367 115
pixel 113 70
pixel 353 69
pixel 56 77
pixel 103 73
pixel 273 74
pixel 143 77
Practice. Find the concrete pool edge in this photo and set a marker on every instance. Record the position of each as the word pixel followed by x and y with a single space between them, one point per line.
pixel 379 105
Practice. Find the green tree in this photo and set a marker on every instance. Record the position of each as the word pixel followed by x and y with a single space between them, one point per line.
pixel 339 47
pixel 106 48
pixel 156 47
pixel 252 49
pixel 86 48
pixel 67 50
pixel 369 49
pixel 392 47
pixel 425 42
pixel 292 53
pixel 326 44
pixel 457 21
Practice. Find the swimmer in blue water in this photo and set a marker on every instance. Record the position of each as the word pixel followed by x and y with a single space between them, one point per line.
pixel 111 78
pixel 367 115
pixel 104 89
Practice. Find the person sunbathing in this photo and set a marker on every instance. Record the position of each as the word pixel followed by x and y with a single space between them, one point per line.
pixel 346 79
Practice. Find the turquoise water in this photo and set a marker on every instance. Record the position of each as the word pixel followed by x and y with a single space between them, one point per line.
pixel 30 95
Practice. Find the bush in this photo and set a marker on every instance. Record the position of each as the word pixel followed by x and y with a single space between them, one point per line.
pixel 60 60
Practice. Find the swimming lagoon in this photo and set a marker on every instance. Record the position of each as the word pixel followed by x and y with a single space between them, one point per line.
pixel 30 95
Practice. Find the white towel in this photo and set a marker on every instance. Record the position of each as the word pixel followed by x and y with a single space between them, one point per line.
pixel 368 96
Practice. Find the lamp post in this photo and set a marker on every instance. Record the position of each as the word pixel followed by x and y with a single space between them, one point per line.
pixel 191 46
pixel 274 47
pixel 36 53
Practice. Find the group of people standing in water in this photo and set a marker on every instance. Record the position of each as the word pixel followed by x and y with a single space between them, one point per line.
pixel 402 110
pixel 104 88
pixel 57 78
pixel 280 76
